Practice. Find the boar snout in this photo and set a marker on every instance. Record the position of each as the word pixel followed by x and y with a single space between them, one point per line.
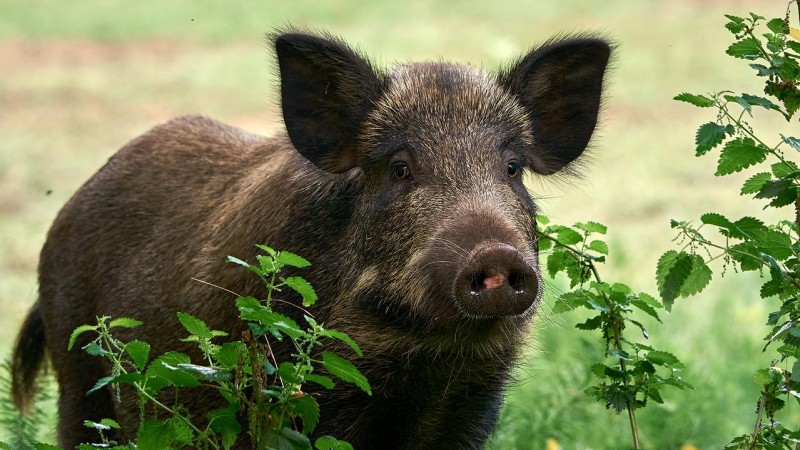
pixel 496 281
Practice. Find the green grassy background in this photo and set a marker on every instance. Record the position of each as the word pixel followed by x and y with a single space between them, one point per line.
pixel 81 78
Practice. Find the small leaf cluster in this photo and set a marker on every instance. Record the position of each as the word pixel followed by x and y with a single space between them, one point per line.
pixel 268 394
pixel 631 373
pixel 748 243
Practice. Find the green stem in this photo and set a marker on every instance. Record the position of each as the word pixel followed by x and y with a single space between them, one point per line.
pixel 617 335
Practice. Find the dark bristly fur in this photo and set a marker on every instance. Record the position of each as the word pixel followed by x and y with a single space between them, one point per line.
pixel 399 186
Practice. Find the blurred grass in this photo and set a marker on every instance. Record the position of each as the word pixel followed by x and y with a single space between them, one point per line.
pixel 81 78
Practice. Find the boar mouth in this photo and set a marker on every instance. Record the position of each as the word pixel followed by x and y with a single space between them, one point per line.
pixel 496 281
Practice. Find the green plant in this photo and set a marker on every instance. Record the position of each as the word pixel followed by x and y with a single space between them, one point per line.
pixel 748 243
pixel 268 393
pixel 631 373
pixel 24 431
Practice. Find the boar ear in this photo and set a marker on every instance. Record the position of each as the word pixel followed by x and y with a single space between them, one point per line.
pixel 559 85
pixel 327 90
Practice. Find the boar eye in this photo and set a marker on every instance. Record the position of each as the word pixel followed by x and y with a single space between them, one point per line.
pixel 400 171
pixel 513 168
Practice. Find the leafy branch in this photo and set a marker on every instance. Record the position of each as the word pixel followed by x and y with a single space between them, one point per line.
pixel 631 373
pixel 748 244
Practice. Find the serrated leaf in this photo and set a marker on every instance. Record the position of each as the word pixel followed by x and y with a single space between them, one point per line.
pixel 94 349
pixel 290 259
pixel 774 188
pixel 138 351
pixel 590 324
pixel 124 322
pixel 229 354
pixel 206 372
pixel 592 227
pixel 307 408
pixel 155 434
pixel 567 236
pixel 195 326
pixel 777 26
pixel 598 246
pixel 747 48
pixel 710 135
pixel 697 100
pixel 672 270
pixel 255 269
pixel 785 169
pixel 36 446
pixel 739 154
pixel 344 338
pixel 571 300
pixel 716 219
pixel 224 422
pixel 755 183
pixel 755 100
pixel 77 332
pixel 267 264
pixel 166 368
pixel 792 141
pixel 698 278
pixel 661 358
pixel 345 371
pixel 322 380
pixel 302 287
pixel 646 308
pixel 101 383
pixel 331 443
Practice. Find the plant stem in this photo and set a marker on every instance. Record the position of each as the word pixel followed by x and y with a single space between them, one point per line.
pixel 617 335
pixel 757 427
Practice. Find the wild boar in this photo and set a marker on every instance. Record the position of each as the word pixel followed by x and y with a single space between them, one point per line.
pixel 404 187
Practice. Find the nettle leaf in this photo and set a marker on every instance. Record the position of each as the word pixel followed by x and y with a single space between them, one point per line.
pixel 592 227
pixel 322 380
pixel 138 351
pixel 166 368
pixel 747 48
pixel 681 275
pixel 717 220
pixel 228 354
pixel 155 434
pixel 101 383
pixel 760 101
pixel 302 287
pixel 79 331
pixel 710 135
pixel 224 422
pixel 307 408
pixel 590 324
pixel 698 278
pixel 331 443
pixel 566 235
pixel 785 169
pixel 124 322
pixel 206 372
pixel 697 100
pixel 255 269
pixel 647 308
pixel 195 326
pixel 792 141
pixel 345 371
pixel 267 264
pixel 755 183
pixel 344 338
pixel 777 26
pixel 672 270
pixel 598 246
pixel 740 154
pixel 661 358
pixel 571 300
pixel 290 259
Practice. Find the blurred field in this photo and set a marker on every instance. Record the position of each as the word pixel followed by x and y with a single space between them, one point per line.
pixel 81 78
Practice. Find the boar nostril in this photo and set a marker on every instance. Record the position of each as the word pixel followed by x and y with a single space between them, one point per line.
pixel 517 280
pixel 496 281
